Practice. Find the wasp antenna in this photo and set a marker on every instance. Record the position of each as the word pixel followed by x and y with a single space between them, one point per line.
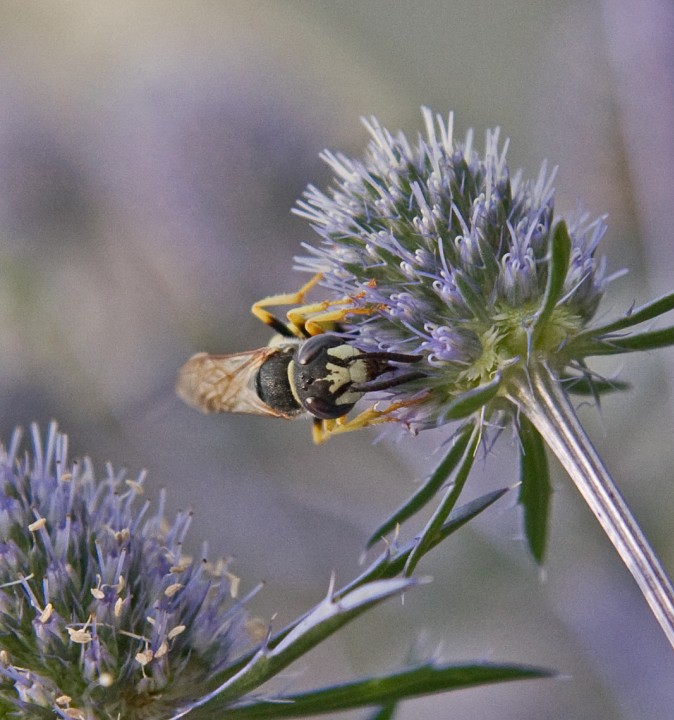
pixel 390 356
pixel 385 384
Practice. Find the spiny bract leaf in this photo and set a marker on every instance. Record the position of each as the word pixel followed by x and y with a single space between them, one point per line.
pixel 535 489
pixel 409 683
pixel 426 491
pixel 472 400
pixel 326 618
pixel 646 312
pixel 392 561
pixel 429 534
pixel 616 345
pixel 593 386
pixel 560 253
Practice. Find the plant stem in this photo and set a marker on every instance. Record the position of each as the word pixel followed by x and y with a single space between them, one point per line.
pixel 542 399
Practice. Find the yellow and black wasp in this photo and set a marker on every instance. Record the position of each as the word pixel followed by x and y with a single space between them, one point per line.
pixel 306 370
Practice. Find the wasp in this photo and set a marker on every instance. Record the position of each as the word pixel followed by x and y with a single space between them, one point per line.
pixel 306 370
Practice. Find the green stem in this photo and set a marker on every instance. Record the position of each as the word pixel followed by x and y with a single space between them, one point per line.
pixel 541 398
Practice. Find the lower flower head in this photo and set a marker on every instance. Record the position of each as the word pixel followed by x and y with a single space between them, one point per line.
pixel 101 615
pixel 453 254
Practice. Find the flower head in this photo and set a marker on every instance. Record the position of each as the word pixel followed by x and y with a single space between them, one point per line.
pixel 452 252
pixel 101 614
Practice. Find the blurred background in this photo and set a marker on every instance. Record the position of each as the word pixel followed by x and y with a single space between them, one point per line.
pixel 150 154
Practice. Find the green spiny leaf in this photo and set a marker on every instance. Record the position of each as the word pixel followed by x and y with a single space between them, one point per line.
pixel 409 683
pixel 473 400
pixel 429 534
pixel 560 253
pixel 535 488
pixel 646 312
pixel 426 491
pixel 592 386
pixel 318 624
pixel 392 561
pixel 616 345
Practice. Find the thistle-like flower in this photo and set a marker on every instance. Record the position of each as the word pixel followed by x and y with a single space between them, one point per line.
pixel 452 252
pixel 444 253
pixel 102 617
pixel 101 614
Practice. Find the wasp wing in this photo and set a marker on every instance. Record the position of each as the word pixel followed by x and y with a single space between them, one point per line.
pixel 225 383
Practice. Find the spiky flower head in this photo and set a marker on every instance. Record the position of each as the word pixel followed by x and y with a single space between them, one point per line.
pixel 453 254
pixel 101 615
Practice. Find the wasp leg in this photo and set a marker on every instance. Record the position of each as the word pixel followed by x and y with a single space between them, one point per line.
pixel 291 328
pixel 325 316
pixel 325 429
pixel 307 320
pixel 318 432
pixel 317 318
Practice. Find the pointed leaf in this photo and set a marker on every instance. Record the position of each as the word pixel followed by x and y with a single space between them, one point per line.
pixel 430 533
pixel 646 312
pixel 321 622
pixel 385 712
pixel 392 561
pixel 535 488
pixel 469 402
pixel 458 518
pixel 560 254
pixel 409 683
pixel 589 376
pixel 647 341
pixel 426 491
pixel 616 345
pixel 592 386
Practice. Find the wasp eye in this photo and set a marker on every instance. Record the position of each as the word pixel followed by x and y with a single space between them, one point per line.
pixel 314 346
pixel 325 409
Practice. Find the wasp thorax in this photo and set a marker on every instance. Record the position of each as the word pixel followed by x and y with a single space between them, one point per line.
pixel 272 386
